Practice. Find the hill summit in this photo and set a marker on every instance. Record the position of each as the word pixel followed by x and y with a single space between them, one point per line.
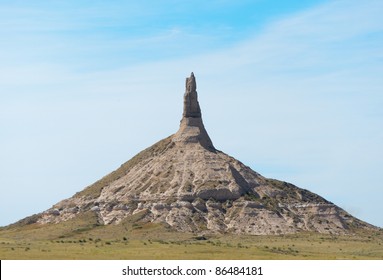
pixel 184 182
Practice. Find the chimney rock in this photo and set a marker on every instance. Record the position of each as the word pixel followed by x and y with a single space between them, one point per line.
pixel 192 129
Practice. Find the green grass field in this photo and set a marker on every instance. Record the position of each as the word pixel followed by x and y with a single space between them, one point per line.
pixel 286 247
pixel 82 239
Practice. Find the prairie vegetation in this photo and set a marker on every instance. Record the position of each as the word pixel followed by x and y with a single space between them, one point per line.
pixel 83 239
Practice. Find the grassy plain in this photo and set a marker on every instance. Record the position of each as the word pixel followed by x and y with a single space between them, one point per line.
pixel 83 239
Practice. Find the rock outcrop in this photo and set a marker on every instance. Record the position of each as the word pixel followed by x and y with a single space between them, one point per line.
pixel 191 105
pixel 192 129
pixel 185 182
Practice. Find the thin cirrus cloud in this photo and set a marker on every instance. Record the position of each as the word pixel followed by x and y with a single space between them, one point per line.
pixel 300 100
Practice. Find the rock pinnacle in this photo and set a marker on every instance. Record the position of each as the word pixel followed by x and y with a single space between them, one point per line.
pixel 192 129
pixel 191 105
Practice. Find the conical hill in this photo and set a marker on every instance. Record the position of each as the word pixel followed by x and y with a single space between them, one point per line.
pixel 184 182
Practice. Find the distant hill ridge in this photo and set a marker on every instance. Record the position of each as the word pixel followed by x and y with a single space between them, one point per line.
pixel 184 182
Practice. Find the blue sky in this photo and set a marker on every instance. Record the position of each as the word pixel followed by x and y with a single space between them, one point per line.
pixel 291 88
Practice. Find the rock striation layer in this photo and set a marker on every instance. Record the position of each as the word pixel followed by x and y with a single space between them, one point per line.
pixel 185 182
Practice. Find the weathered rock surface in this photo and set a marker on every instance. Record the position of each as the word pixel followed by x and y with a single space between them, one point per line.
pixel 185 182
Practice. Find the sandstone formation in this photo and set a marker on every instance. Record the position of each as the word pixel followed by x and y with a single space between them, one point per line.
pixel 185 182
pixel 192 129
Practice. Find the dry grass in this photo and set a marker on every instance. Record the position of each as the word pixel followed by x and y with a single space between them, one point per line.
pixel 83 239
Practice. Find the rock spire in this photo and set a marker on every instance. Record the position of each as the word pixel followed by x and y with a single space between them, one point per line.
pixel 192 129
pixel 191 105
